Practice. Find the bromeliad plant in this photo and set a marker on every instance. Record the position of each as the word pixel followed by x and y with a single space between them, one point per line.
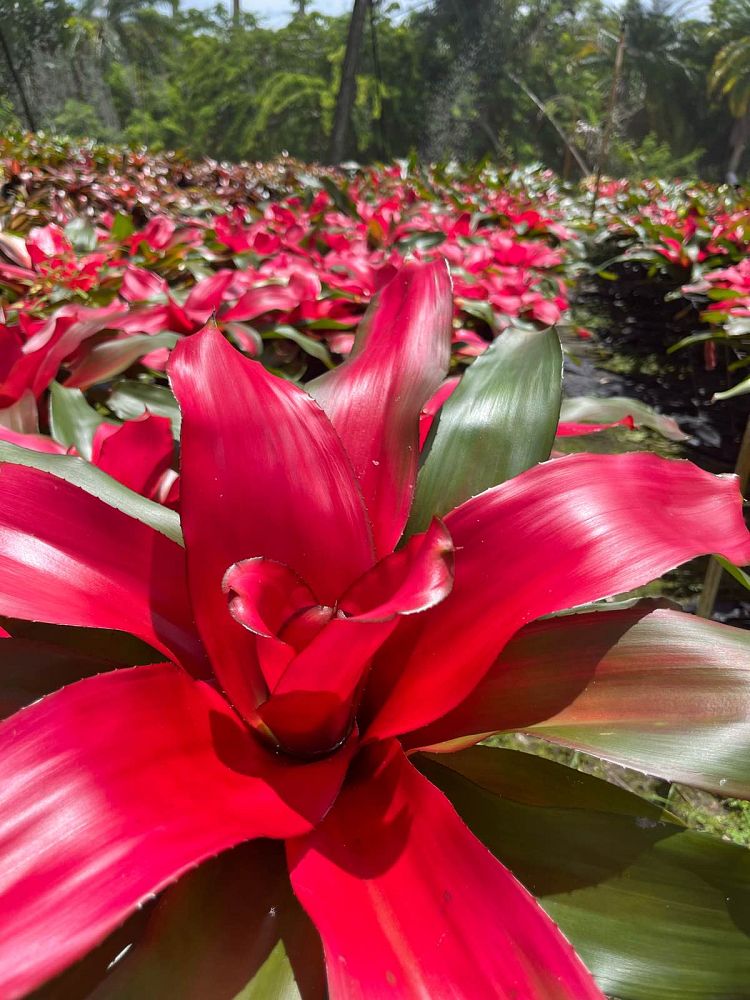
pixel 97 292
pixel 330 632
pixel 724 294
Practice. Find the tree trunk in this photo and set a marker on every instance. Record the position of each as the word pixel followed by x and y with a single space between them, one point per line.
pixel 18 82
pixel 570 149
pixel 738 139
pixel 345 100
pixel 236 11
pixel 609 126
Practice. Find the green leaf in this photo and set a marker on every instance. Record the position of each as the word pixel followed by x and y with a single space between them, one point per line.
pixel 80 979
pixel 499 422
pixel 129 399
pixel 22 416
pixel 654 910
pixel 308 344
pixel 722 294
pixel 339 196
pixel 73 422
pixel 480 309
pixel 738 326
pixel 118 648
pixel 695 338
pixel 657 690
pixel 87 477
pixel 734 571
pixel 122 227
pixel 274 978
pixel 32 669
pixel 422 241
pixel 82 234
pixel 231 930
pixel 329 324
pixel 715 318
pixel 738 390
pixel 671 697
pixel 110 357
pixel 596 410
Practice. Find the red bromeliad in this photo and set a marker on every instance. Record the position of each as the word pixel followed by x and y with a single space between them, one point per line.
pixel 137 453
pixel 291 281
pixel 305 648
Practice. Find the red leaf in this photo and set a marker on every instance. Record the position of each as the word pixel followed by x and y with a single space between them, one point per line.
pixel 34 442
pixel 312 705
pixel 432 407
pixel 70 559
pixel 413 579
pixel 263 299
pixel 567 429
pixel 409 904
pixel 112 788
pixel 206 297
pixel 47 241
pixel 39 360
pixel 262 474
pixel 374 399
pixel 137 453
pixel 139 285
pixel 264 594
pixel 562 534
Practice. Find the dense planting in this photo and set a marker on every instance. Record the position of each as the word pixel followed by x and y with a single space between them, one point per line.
pixel 686 241
pixel 286 537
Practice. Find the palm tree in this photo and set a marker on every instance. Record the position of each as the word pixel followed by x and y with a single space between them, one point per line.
pixel 110 20
pixel 657 80
pixel 730 73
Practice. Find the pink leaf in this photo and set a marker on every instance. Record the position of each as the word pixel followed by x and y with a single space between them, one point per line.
pixel 262 474
pixel 136 454
pixel 374 399
pixel 112 788
pixel 562 534
pixel 409 904
pixel 70 559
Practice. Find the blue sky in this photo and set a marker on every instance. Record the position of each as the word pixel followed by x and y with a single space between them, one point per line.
pixel 276 12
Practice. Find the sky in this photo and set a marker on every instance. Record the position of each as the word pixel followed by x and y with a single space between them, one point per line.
pixel 276 12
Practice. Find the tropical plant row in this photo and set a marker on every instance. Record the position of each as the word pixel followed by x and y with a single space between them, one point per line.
pixel 165 243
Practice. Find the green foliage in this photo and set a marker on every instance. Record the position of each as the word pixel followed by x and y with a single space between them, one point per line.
pixel 657 911
pixel 80 120
pixel 9 120
pixel 730 72
pixel 500 421
pixel 520 81
pixel 652 158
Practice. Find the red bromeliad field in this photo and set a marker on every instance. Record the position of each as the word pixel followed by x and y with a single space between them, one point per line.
pixel 285 543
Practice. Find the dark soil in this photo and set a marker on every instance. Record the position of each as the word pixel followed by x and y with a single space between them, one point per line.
pixel 634 327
